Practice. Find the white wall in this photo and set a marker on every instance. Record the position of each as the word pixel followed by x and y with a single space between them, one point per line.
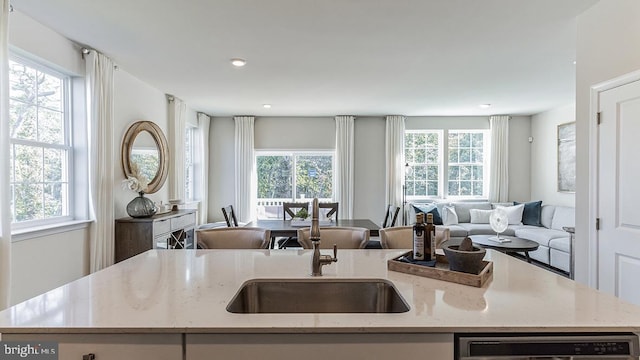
pixel 607 47
pixel 300 133
pixel 134 100
pixel 544 155
pixel 519 158
pixel 221 166
pixel 370 168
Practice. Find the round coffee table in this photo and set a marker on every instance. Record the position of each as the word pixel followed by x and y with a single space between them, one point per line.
pixel 515 245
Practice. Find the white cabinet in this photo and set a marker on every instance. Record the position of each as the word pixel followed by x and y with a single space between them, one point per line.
pixel 110 346
pixel 319 346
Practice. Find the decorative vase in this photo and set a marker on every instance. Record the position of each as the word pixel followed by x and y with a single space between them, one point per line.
pixel 141 207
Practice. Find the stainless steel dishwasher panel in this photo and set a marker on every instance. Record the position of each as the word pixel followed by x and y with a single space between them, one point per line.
pixel 556 346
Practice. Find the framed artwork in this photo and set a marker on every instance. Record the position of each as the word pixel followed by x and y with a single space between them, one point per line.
pixel 567 157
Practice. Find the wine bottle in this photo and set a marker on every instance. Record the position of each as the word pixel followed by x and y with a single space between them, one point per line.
pixel 418 237
pixel 430 239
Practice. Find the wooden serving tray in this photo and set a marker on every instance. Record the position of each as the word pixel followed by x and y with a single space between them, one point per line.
pixel 441 271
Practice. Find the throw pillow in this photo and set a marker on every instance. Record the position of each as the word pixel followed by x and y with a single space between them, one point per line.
pixel 449 216
pixel 514 213
pixel 428 208
pixel 532 214
pixel 480 216
pixel 463 207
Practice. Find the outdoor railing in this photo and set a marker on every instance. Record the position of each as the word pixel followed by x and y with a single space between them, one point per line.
pixel 272 208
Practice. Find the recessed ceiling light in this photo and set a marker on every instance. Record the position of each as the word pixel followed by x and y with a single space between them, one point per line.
pixel 238 62
pixel 485 106
pixel 266 106
pixel 574 62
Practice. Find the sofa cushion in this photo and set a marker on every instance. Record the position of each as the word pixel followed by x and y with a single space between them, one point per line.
pixel 542 254
pixel 563 216
pixel 560 259
pixel 480 216
pixel 514 213
pixel 428 209
pixel 485 229
pixel 495 205
pixel 449 216
pixel 561 244
pixel 457 231
pixel 462 209
pixel 546 215
pixel 532 213
pixel 538 234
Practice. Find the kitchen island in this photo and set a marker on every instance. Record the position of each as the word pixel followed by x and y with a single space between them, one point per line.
pixel 165 304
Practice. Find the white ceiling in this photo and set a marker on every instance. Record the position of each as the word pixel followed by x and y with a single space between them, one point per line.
pixel 333 57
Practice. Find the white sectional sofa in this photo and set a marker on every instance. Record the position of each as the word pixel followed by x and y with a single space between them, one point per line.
pixel 549 234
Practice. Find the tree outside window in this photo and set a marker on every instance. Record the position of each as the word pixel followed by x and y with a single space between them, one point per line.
pixel 466 163
pixel 422 153
pixel 292 176
pixel 461 173
pixel 39 149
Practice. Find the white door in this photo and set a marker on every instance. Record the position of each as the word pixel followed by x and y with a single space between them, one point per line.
pixel 619 192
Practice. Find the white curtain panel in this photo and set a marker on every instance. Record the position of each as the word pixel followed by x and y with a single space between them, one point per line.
pixel 99 85
pixel 202 167
pixel 345 178
pixel 394 159
pixel 177 128
pixel 499 171
pixel 5 210
pixel 245 170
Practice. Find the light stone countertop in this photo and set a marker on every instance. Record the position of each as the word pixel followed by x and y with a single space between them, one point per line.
pixel 186 291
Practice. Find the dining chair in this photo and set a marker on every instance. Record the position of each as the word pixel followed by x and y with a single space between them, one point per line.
pixel 391 216
pixel 328 210
pixel 401 237
pixel 343 237
pixel 233 238
pixel 290 210
pixel 230 216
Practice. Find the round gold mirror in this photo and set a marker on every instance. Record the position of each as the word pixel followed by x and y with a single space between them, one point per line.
pixel 145 151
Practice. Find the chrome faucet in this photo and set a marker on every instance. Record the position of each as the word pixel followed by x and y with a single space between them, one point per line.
pixel 318 259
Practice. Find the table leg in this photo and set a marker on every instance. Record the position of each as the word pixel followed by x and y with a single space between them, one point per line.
pixel 526 255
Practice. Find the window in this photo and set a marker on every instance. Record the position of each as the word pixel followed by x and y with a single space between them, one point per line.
pixel 189 157
pixel 461 173
pixel 466 163
pixel 423 152
pixel 40 146
pixel 292 176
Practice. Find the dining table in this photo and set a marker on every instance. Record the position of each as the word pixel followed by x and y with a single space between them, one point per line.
pixel 285 228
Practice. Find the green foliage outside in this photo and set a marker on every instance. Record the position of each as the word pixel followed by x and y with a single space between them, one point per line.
pixel 465 163
pixel 313 176
pixel 38 153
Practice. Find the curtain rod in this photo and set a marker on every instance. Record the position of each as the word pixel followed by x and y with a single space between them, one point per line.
pixel 86 50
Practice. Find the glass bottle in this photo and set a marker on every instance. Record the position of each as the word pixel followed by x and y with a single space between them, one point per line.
pixel 418 237
pixel 430 239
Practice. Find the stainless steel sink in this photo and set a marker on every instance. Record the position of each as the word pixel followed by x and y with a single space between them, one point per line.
pixel 317 296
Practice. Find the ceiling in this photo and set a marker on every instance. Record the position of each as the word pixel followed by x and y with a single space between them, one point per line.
pixel 336 57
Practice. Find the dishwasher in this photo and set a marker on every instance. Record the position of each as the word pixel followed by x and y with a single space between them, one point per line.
pixel 548 346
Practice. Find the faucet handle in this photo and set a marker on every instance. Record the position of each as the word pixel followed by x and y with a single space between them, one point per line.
pixel 335 252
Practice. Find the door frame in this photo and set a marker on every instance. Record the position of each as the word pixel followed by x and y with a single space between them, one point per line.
pixel 594 149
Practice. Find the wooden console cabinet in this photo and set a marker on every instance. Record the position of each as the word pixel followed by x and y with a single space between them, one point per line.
pixel 172 230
